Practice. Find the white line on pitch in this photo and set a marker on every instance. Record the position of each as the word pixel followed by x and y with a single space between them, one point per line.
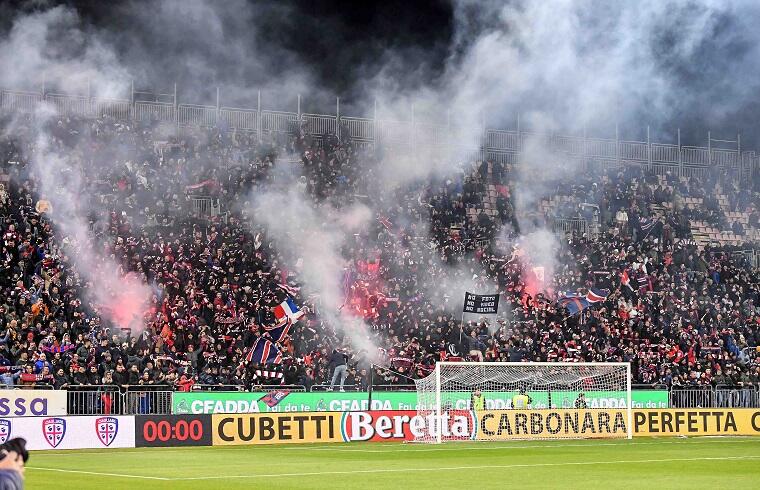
pixel 522 446
pixel 97 473
pixel 457 468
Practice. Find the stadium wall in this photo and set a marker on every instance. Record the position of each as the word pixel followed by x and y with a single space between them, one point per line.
pixel 109 432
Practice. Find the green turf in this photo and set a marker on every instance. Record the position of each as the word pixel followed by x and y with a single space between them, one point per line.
pixel 641 463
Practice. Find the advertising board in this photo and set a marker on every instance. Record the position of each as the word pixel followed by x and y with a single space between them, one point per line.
pixel 77 432
pixel 487 425
pixel 80 432
pixel 501 425
pixel 289 401
pixel 29 403
pixel 405 425
pixel 697 422
pixel 555 424
pixel 276 428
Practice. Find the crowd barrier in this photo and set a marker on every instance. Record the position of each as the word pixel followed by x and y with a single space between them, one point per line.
pixel 127 431
pixel 719 396
pixel 112 400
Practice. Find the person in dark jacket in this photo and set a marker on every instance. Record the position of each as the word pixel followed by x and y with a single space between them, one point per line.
pixel 80 377
pixel 61 380
pixel 338 366
pixel 306 379
pixel 120 376
pixel 92 376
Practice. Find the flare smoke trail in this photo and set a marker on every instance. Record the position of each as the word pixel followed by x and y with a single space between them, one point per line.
pixel 120 298
pixel 313 235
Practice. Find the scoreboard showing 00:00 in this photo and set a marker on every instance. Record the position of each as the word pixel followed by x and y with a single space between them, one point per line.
pixel 173 430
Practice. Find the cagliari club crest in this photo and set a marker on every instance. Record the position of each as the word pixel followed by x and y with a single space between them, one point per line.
pixel 5 430
pixel 107 428
pixel 54 430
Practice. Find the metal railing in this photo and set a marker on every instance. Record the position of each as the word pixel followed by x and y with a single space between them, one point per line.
pixel 496 144
pixel 278 122
pixel 94 400
pixel 752 257
pixel 206 207
pixel 714 397
pixel 240 119
pixel 376 387
pixel 575 226
pixel 112 400
pixel 154 111
pixel 197 115
pixel 737 397
pixel 692 397
pixel 145 400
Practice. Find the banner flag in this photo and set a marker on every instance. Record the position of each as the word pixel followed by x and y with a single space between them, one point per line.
pixel 477 303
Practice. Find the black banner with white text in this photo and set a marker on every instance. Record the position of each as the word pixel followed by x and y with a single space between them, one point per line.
pixel 482 304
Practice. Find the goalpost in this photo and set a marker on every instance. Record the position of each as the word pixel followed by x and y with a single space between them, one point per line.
pixel 550 396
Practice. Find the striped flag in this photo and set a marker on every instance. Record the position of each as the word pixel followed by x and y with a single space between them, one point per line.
pixel 597 295
pixel 646 224
pixel 287 311
pixel 264 352
pixel 291 290
pixel 386 223
pixel 279 331
pixel 573 303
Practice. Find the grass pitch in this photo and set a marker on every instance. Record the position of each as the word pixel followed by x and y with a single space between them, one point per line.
pixel 641 463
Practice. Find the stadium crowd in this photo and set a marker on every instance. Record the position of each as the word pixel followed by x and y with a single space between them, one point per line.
pixel 683 312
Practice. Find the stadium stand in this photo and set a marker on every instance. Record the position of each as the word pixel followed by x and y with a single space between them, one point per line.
pixel 679 255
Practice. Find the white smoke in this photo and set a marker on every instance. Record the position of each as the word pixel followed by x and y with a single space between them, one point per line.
pixel 564 65
pixel 52 47
pixel 572 65
pixel 313 236
pixel 118 296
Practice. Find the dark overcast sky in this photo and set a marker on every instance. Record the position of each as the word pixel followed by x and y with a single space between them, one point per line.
pixel 329 33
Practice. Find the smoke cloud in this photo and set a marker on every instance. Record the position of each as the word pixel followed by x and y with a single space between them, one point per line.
pixel 120 297
pixel 314 235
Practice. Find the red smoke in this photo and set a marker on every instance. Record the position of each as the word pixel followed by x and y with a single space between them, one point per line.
pixel 533 276
pixel 127 303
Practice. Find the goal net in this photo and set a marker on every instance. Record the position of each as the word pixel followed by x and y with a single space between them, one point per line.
pixel 505 401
